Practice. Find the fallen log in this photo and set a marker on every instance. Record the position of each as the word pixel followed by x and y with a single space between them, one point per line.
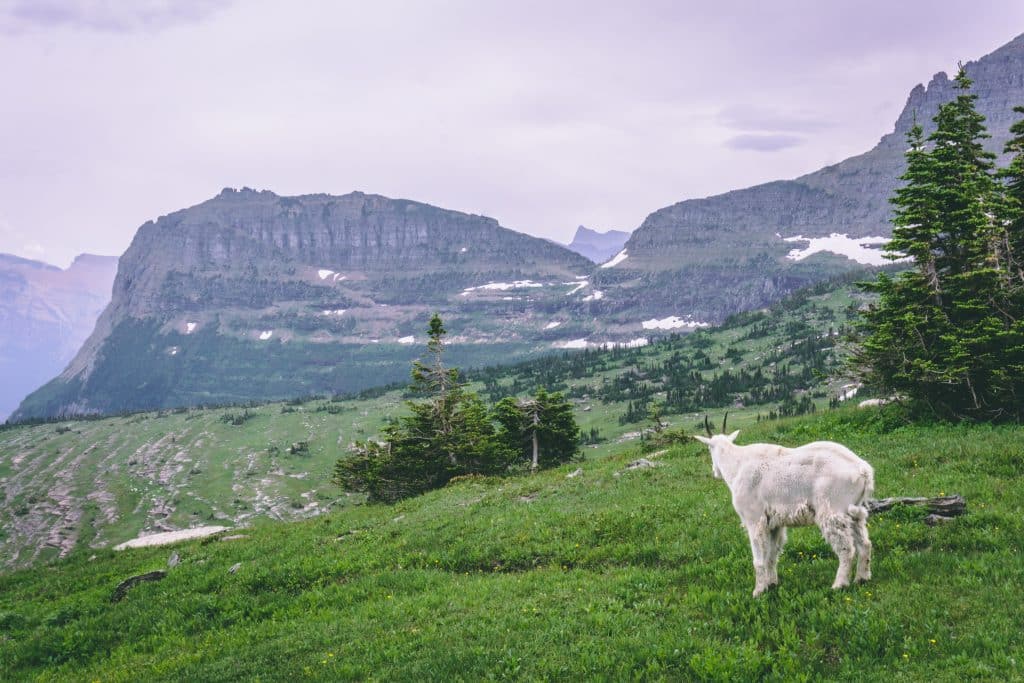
pixel 942 506
pixel 126 585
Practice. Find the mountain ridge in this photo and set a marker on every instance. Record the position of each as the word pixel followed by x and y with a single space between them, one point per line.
pixel 681 252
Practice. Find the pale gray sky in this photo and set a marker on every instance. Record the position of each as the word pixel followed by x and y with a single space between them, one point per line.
pixel 542 114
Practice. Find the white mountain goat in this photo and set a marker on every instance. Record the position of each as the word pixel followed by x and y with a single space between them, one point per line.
pixel 822 483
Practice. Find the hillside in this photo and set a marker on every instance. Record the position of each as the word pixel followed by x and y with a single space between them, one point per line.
pixel 95 483
pixel 611 574
pixel 46 313
pixel 711 257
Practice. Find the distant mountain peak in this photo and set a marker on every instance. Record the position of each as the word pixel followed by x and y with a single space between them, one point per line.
pixel 598 246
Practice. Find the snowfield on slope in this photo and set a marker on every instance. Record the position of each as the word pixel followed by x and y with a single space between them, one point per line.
pixel 862 249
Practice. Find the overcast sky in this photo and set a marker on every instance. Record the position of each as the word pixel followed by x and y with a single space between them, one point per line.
pixel 544 115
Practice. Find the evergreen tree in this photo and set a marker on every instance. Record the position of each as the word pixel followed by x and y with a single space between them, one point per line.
pixel 540 430
pixel 940 333
pixel 1011 241
pixel 448 434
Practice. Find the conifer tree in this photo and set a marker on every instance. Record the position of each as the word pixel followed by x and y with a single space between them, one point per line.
pixel 942 332
pixel 540 430
pixel 448 434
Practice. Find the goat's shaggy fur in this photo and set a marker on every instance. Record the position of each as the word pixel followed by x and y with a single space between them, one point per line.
pixel 773 487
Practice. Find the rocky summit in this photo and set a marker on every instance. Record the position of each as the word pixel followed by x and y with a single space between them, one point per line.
pixel 45 315
pixel 739 250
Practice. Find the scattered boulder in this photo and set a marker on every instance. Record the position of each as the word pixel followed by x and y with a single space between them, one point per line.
pixel 173 560
pixel 234 568
pixel 129 583
pixel 575 473
pixel 640 464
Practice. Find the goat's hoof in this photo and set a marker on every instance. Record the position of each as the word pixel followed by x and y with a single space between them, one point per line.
pixel 840 586
pixel 863 579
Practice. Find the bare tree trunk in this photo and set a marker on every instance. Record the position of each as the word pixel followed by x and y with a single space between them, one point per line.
pixel 536 448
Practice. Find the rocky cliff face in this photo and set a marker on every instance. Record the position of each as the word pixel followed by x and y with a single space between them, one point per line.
pixel 710 257
pixel 598 246
pixel 251 295
pixel 45 315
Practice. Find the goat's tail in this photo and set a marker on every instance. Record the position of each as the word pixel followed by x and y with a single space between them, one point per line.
pixel 859 510
pixel 868 475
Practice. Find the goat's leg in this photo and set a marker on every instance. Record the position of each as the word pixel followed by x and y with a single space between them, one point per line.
pixel 776 540
pixel 759 549
pixel 863 545
pixel 836 530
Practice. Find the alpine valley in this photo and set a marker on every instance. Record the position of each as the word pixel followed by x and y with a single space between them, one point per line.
pixel 255 296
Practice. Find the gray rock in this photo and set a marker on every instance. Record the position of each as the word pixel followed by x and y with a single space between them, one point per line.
pixel 234 568
pixel 173 560
pixel 575 473
pixel 640 464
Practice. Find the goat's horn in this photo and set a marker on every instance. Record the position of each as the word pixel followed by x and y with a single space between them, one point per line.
pixel 724 419
pixel 707 425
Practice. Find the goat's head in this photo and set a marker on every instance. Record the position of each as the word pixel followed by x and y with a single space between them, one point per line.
pixel 716 443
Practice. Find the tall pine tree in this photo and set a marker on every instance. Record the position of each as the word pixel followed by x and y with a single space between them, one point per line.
pixel 941 332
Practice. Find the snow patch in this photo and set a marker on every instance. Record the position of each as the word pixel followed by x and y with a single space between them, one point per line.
pixel 616 260
pixel 171 537
pixel 577 286
pixel 337 311
pixel 631 344
pixel 173 350
pixel 572 344
pixel 503 286
pixel 552 325
pixel 463 250
pixel 596 296
pixel 190 328
pixel 407 340
pixel 266 334
pixel 856 249
pixel 324 273
pixel 672 322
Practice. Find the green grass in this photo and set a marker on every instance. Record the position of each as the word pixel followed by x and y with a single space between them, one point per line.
pixel 645 575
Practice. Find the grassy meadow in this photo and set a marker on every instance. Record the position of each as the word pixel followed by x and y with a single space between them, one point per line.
pixel 613 574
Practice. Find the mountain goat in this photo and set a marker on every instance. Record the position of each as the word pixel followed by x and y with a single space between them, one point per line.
pixel 822 483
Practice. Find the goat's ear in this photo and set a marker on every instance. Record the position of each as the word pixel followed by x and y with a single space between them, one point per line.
pixel 702 439
pixel 732 437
